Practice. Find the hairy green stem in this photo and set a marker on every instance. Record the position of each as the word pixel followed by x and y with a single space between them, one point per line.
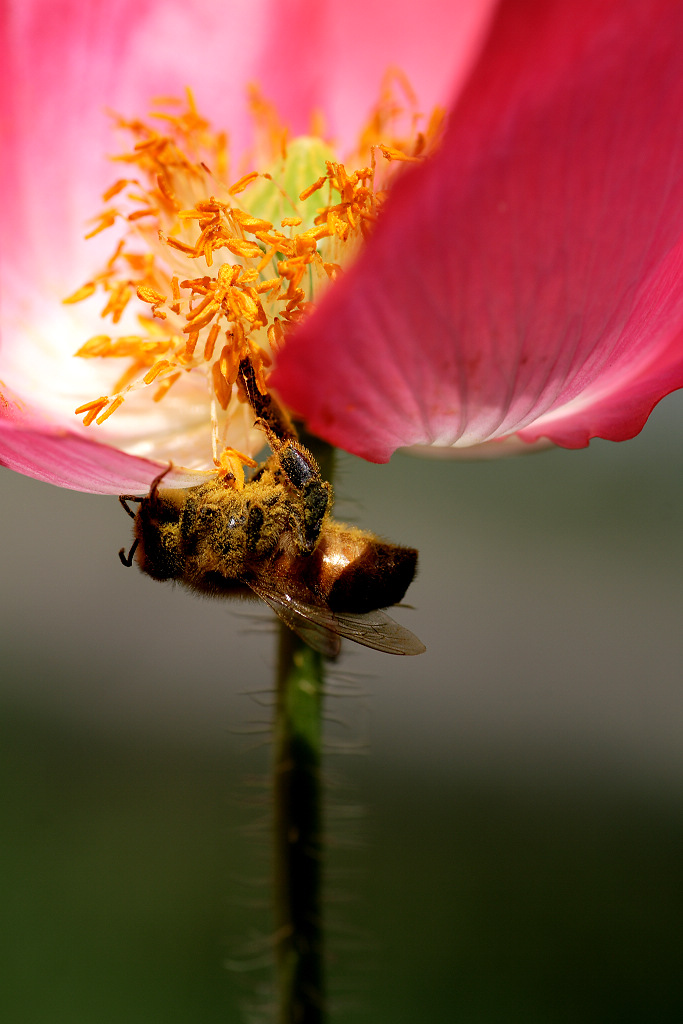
pixel 298 833
pixel 298 798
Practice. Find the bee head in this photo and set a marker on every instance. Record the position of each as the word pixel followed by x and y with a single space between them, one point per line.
pixel 157 531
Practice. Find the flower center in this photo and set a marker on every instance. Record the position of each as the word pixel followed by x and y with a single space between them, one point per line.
pixel 225 268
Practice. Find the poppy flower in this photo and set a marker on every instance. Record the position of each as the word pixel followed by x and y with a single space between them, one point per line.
pixel 76 78
pixel 520 285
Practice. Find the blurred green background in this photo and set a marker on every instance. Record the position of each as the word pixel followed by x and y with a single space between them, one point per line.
pixel 506 836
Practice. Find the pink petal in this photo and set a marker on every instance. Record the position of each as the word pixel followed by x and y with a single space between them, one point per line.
pixel 332 56
pixel 528 278
pixel 69 460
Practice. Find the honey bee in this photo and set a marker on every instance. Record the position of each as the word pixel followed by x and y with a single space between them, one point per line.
pixel 275 538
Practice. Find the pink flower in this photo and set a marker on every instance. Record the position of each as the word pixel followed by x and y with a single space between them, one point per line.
pixel 67 66
pixel 524 285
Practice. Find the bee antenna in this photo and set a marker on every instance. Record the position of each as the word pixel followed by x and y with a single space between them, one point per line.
pixel 124 498
pixel 127 559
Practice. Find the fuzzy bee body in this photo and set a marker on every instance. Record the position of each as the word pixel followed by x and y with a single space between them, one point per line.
pixel 275 538
pixel 324 579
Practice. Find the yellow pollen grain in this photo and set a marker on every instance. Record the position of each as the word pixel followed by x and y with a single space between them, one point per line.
pixel 281 242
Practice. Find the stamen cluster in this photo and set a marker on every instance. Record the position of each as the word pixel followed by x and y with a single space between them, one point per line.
pixel 225 270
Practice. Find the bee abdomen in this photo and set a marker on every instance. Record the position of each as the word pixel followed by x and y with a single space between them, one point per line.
pixel 360 573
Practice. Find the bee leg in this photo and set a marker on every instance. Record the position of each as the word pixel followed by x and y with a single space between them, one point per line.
pixel 127 560
pixel 274 419
pixel 124 499
pixel 293 460
pixel 303 474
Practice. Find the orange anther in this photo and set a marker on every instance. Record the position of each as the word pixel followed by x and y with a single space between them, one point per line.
pixel 114 189
pixel 221 388
pixel 165 386
pixel 147 294
pixel 83 293
pixel 240 185
pixel 210 342
pixel 91 409
pixel 116 403
pixel 190 346
pixel 158 368
pixel 308 192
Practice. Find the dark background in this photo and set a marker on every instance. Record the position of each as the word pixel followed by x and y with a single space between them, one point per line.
pixel 506 835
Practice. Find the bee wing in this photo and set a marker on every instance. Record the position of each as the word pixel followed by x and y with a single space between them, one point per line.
pixel 315 625
pixel 377 630
pixel 321 628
